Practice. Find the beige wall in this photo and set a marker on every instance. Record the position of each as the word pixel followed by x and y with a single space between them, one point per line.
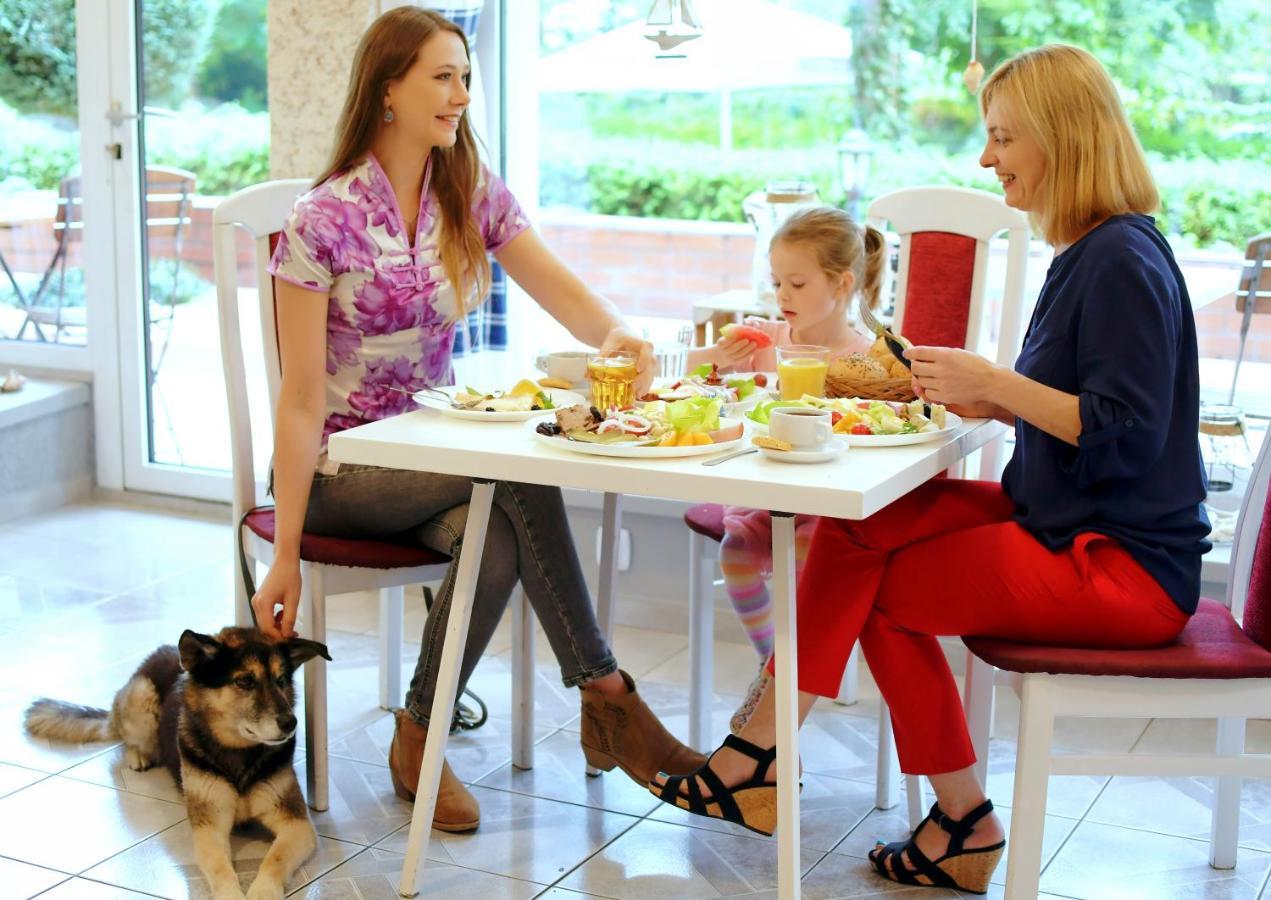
pixel 311 44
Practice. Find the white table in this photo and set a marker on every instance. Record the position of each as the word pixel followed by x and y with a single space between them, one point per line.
pixel 854 486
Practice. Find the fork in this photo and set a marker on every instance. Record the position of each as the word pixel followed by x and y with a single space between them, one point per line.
pixel 869 321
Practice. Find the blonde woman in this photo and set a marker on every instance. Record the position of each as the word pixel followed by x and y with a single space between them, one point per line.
pixel 375 268
pixel 1094 536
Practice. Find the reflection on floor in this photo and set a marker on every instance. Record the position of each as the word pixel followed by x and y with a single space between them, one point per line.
pixel 86 591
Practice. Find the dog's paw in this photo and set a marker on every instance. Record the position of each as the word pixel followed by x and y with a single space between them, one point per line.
pixel 263 889
pixel 137 760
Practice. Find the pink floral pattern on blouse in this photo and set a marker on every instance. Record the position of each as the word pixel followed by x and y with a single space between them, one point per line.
pixel 391 310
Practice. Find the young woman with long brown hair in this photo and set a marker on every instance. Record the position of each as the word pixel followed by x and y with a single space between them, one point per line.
pixel 376 267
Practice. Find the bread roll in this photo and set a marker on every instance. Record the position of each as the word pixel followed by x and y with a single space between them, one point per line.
pixel 859 367
pixel 898 369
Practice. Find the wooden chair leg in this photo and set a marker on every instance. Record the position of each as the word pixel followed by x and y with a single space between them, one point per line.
pixel 1032 776
pixel 1224 833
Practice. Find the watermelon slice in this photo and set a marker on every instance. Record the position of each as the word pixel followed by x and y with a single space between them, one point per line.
pixel 738 332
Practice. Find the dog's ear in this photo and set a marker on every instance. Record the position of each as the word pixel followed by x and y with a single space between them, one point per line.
pixel 196 648
pixel 301 650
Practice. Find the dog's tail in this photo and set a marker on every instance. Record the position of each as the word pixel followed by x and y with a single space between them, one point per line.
pixel 69 722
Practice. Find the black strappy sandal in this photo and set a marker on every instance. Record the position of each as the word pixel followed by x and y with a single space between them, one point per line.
pixel 962 870
pixel 751 804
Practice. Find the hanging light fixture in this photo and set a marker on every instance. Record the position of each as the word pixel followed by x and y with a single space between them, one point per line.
pixel 974 72
pixel 671 23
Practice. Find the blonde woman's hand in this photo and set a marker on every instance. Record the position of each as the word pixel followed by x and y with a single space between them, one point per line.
pixel 281 588
pixel 950 376
pixel 622 339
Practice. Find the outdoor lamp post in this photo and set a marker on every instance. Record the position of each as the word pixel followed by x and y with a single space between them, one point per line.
pixel 671 23
pixel 854 152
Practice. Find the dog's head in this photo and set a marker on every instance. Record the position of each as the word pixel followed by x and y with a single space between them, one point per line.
pixel 240 683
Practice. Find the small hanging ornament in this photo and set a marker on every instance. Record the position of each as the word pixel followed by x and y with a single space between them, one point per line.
pixel 974 72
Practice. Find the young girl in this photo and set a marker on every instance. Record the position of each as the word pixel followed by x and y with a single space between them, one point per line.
pixel 819 259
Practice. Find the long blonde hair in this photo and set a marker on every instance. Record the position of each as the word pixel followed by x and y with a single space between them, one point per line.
pixel 1095 167
pixel 840 246
pixel 386 53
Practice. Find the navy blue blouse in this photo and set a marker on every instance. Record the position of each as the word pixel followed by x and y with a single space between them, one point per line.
pixel 1114 326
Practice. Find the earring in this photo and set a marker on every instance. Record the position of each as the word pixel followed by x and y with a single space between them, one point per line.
pixel 388 115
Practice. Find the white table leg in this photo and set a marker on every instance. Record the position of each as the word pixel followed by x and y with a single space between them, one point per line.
pixel 610 531
pixel 786 686
pixel 392 615
pixel 447 688
pixel 701 640
pixel 522 681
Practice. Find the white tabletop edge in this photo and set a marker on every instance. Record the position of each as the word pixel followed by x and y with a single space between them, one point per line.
pixel 854 486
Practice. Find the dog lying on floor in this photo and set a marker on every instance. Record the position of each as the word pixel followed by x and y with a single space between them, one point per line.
pixel 218 712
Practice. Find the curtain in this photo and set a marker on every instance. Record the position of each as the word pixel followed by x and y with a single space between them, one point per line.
pixel 486 327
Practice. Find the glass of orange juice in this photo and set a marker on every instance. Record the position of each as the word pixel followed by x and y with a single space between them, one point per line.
pixel 612 375
pixel 801 369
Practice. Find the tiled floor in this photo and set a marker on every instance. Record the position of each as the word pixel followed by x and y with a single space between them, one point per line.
pixel 87 591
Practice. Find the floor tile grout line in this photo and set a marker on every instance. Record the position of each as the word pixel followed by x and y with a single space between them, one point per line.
pixel 636 820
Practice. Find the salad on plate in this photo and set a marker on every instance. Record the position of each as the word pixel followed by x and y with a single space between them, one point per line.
pixel 863 418
pixel 694 421
pixel 705 381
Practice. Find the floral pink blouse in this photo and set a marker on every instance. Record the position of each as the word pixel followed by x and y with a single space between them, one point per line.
pixel 391 310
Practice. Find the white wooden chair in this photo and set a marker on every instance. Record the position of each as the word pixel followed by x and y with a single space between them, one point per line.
pixel 328 565
pixel 1219 668
pixel 944 234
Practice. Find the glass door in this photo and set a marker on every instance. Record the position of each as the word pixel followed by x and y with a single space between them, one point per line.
pixel 203 134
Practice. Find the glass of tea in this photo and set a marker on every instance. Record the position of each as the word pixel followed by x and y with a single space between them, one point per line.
pixel 612 374
pixel 801 369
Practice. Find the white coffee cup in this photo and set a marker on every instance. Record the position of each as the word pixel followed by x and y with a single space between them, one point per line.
pixel 570 365
pixel 801 427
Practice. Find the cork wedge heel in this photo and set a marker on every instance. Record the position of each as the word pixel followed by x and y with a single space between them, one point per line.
pixel 751 804
pixel 959 868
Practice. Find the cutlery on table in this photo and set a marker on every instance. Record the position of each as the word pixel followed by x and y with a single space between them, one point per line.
pixel 727 456
pixel 869 321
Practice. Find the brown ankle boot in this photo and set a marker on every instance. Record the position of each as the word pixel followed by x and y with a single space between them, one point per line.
pixel 624 732
pixel 456 809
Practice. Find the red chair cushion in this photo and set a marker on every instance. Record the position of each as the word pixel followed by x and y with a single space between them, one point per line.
pixel 706 519
pixel 353 552
pixel 1211 645
pixel 938 292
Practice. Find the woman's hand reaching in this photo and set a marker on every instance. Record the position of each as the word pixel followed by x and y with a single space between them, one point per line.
pixel 621 339
pixel 281 588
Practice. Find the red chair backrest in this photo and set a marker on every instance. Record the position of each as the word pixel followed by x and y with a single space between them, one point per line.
pixel 938 293
pixel 1257 613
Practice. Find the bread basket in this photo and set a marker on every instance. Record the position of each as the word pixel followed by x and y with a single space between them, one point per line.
pixel 899 389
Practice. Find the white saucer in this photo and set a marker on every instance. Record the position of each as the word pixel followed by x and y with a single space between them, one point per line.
pixel 833 448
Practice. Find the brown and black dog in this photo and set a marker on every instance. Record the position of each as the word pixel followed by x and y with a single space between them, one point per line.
pixel 218 711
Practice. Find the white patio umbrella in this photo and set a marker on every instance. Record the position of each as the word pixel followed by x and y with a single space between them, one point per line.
pixel 745 44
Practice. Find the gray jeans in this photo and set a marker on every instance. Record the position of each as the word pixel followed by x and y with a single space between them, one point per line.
pixel 528 540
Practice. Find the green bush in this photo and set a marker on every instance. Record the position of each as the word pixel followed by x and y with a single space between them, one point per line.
pixel 234 67
pixel 37 52
pixel 1207 204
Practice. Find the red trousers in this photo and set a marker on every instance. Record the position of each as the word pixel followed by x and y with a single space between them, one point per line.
pixel 948 559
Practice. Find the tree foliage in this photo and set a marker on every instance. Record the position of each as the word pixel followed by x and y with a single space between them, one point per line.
pixel 37 52
pixel 234 68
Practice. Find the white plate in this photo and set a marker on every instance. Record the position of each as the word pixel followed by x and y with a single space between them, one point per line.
pixel 627 450
pixel 832 449
pixel 432 401
pixel 728 409
pixel 899 440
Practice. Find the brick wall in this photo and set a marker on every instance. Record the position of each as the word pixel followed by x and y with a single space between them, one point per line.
pixel 649 267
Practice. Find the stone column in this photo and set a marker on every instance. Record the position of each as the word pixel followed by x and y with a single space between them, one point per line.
pixel 311 44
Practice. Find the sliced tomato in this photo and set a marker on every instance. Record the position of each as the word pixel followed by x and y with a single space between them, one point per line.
pixel 861 428
pixel 835 417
